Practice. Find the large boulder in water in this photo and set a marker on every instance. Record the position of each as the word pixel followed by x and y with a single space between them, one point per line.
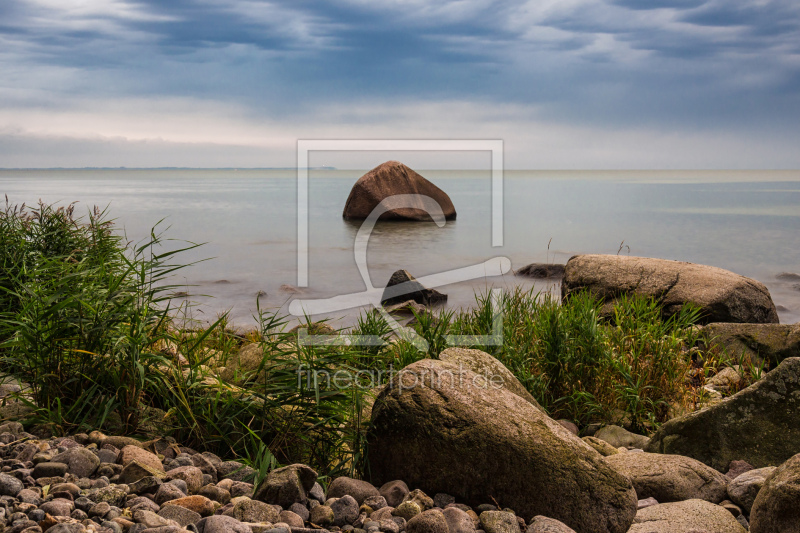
pixel 390 179
pixel 760 425
pixel 440 428
pixel 721 295
pixel 761 342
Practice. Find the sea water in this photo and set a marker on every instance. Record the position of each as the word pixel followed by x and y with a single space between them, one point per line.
pixel 744 221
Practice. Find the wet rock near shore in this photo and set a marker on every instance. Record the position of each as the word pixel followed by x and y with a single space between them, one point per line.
pixel 721 295
pixel 541 271
pixel 402 287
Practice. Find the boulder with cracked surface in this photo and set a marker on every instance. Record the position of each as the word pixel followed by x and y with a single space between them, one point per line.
pixel 759 424
pixel 721 295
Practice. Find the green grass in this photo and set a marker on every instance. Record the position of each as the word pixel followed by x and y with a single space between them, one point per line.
pixel 85 320
pixel 81 311
pixel 579 366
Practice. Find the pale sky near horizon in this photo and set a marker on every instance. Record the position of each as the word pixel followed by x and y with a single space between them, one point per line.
pixel 585 84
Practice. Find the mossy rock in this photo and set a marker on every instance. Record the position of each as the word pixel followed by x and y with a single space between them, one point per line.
pixel 490 368
pixel 776 506
pixel 770 343
pixel 760 424
pixel 244 363
pixel 314 328
pixel 438 430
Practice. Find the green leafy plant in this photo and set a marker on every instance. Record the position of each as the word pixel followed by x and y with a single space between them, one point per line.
pixel 82 311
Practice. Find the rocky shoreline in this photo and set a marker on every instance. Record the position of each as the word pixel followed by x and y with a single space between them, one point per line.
pixel 479 460
pixel 116 484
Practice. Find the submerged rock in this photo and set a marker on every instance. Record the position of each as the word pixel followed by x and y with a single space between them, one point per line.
pixel 759 425
pixel 403 286
pixel 436 430
pixel 541 271
pixel 721 295
pixel 390 179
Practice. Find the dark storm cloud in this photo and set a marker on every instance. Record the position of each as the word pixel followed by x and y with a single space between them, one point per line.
pixel 646 5
pixel 608 63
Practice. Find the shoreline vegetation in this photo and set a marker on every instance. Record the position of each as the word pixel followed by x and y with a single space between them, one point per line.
pixel 88 333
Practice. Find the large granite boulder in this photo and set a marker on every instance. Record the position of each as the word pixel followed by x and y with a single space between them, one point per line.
pixel 761 342
pixel 390 179
pixel 697 516
pixel 670 478
pixel 777 506
pixel 721 295
pixel 439 429
pixel 403 287
pixel 759 424
pixel 495 372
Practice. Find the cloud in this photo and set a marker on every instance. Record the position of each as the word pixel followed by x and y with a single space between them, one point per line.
pixel 649 5
pixel 194 66
pixel 140 133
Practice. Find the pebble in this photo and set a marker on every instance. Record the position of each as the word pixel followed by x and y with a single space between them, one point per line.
pixel 182 515
pixel 431 521
pixel 168 492
pixel 322 515
pixel 394 492
pixel 345 510
pixel 407 510
pixel 499 522
pixel 356 488
pixel 458 521
pixel 248 510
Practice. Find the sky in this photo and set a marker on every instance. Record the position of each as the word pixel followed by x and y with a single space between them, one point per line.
pixel 565 84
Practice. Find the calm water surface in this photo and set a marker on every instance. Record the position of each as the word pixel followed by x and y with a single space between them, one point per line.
pixel 744 221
